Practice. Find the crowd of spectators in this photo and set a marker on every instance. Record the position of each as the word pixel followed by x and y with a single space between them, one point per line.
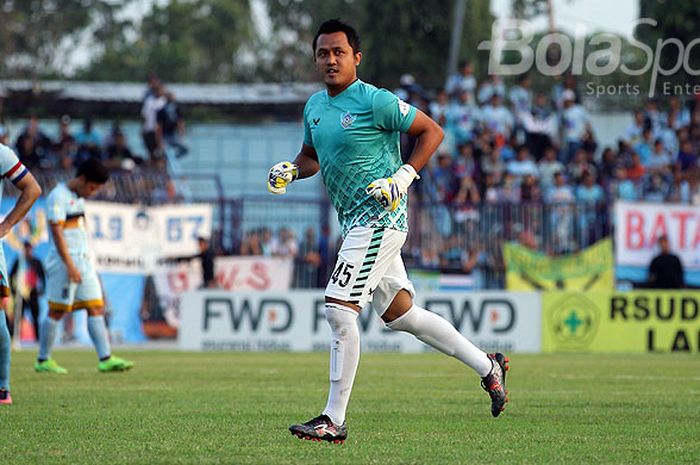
pixel 507 145
pixel 311 256
pixel 511 145
pixel 162 129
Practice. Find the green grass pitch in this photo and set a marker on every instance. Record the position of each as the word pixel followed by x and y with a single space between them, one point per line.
pixel 211 408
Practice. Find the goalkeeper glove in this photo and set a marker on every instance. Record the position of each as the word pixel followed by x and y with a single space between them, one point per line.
pixel 388 191
pixel 280 176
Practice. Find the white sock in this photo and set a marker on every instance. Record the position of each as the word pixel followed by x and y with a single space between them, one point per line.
pixel 441 335
pixel 345 356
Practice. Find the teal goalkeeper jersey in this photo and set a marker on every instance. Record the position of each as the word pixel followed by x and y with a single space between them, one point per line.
pixel 356 136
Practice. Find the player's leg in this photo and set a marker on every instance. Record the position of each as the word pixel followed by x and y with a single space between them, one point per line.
pixel 5 351
pixel 362 260
pixel 47 337
pixel 89 296
pixel 60 293
pixel 393 301
pixel 5 343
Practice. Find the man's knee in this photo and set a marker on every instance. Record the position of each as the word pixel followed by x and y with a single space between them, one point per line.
pixel 399 306
pixel 56 315
pixel 95 311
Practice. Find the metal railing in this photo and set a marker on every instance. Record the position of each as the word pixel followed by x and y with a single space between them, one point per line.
pixel 440 237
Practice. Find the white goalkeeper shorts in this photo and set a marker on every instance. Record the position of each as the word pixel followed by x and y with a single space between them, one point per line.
pixel 370 269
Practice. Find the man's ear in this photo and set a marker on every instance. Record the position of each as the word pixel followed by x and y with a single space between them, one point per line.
pixel 358 58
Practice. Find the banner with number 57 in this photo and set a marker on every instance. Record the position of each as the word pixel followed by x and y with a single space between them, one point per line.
pixel 126 238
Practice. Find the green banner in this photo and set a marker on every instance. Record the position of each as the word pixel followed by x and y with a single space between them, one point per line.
pixel 589 269
pixel 629 322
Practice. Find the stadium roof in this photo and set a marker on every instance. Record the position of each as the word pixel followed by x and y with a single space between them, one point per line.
pixel 133 92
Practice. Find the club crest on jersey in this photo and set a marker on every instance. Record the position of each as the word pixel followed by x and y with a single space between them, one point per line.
pixel 347 119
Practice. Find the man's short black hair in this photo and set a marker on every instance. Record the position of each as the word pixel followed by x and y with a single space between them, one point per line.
pixel 93 170
pixel 336 25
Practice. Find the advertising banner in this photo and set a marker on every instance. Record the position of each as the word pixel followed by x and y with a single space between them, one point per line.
pixel 295 321
pixel 131 238
pixel 631 322
pixel 243 274
pixel 589 269
pixel 639 225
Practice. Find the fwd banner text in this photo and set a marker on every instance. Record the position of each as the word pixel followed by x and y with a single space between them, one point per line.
pixel 295 321
pixel 643 321
pixel 589 269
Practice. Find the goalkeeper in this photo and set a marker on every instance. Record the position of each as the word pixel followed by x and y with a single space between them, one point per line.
pixel 351 134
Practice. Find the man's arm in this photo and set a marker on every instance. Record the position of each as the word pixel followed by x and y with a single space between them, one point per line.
pixel 306 162
pixel 30 192
pixel 429 136
pixel 284 173
pixel 62 249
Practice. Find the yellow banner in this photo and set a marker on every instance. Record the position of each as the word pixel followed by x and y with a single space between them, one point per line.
pixel 590 269
pixel 641 322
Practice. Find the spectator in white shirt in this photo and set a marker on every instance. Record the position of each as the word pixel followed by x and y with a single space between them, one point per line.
pixel 464 118
pixel 492 86
pixel 522 165
pixel 548 167
pixel 152 104
pixel 498 118
pixel 462 81
pixel 520 95
pixel 634 132
pixel 575 124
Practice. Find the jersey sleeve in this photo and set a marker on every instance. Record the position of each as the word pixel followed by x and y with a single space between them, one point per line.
pixel 391 113
pixel 307 130
pixel 10 166
pixel 56 206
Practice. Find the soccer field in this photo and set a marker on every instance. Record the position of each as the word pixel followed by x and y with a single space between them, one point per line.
pixel 423 409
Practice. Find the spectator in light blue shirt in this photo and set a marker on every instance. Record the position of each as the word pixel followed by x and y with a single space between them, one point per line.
pixel 626 189
pixel 589 191
pixel 522 165
pixel 463 81
pixel 520 95
pixel 644 147
pixel 498 118
pixel 575 124
pixel 660 161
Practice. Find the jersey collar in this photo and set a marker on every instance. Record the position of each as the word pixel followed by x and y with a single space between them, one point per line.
pixel 345 91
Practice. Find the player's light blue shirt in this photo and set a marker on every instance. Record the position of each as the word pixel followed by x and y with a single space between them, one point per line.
pixel 356 137
pixel 10 169
pixel 66 208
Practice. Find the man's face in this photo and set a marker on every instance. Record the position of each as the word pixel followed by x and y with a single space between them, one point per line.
pixel 335 60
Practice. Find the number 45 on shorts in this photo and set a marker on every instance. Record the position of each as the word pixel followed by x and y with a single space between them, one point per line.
pixel 341 275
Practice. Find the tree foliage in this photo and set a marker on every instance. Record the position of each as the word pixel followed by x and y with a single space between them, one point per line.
pixel 398 36
pixel 677 21
pixel 36 36
pixel 184 41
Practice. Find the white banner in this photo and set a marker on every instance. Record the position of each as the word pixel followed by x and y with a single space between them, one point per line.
pixel 639 225
pixel 131 238
pixel 295 321
pixel 232 274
